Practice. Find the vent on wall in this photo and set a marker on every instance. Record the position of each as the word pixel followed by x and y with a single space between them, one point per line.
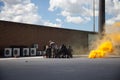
pixel 33 51
pixel 25 51
pixel 8 52
pixel 16 52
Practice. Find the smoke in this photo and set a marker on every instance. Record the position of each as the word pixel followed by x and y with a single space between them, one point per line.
pixel 113 33
pixel 108 44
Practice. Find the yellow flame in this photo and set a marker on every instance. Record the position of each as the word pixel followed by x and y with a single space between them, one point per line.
pixel 106 46
pixel 103 49
pixel 108 43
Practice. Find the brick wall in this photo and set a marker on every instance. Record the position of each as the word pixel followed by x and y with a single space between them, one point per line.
pixel 26 35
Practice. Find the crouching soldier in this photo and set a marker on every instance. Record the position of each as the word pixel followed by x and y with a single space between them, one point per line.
pixel 64 51
pixel 70 50
pixel 48 51
pixel 53 46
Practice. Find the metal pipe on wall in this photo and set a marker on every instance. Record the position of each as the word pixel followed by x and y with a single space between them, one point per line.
pixel 94 15
pixel 101 16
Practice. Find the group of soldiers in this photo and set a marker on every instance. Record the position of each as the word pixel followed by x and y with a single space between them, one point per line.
pixel 52 51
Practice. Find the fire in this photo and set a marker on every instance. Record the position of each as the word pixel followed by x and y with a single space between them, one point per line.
pixel 102 50
pixel 108 43
pixel 106 47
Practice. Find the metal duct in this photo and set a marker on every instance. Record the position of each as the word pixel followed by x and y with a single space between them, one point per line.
pixel 101 15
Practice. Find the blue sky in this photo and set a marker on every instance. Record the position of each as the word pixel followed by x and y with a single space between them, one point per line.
pixel 70 14
pixel 43 6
